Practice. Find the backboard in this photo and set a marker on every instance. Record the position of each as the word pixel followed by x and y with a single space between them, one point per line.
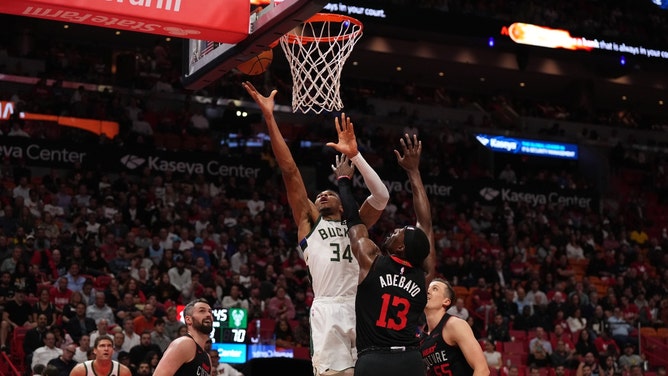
pixel 207 61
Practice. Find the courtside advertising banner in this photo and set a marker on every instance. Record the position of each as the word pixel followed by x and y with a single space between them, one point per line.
pixel 221 21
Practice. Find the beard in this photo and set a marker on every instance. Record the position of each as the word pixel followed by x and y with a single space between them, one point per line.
pixel 203 328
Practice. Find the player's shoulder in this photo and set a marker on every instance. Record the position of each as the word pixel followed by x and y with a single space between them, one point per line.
pixel 124 370
pixel 78 370
pixel 455 322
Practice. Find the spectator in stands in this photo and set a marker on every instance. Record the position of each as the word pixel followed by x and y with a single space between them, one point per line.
pixel 81 351
pixel 498 330
pixel 34 338
pixel 131 338
pixel 493 357
pixel 636 371
pixel 181 277
pixel 139 352
pixel 16 127
pixel 80 325
pixel 585 344
pixel 146 321
pixel 235 299
pixel 576 322
pixel 239 258
pixel 65 362
pixel 100 310
pixel 629 358
pixel 540 349
pixel 559 333
pixel 102 330
pixel 158 335
pixel 44 306
pixel 534 295
pixel 75 280
pixel 9 264
pixel 17 313
pixel 588 366
pixel 609 366
pixel 620 329
pixel 459 310
pixel 119 340
pixel 508 175
pixel 598 323
pixel 220 368
pixel 283 334
pixel 525 320
pixel 172 324
pixel 62 338
pixel 49 351
pixel 280 306
pixel 522 300
pixel 563 356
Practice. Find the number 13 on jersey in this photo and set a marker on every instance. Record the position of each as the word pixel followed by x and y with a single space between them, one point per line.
pixel 400 306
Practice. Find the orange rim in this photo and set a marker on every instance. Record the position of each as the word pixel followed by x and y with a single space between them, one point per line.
pixel 326 18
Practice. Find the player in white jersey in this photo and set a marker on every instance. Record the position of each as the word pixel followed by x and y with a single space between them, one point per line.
pixel 332 267
pixel 102 365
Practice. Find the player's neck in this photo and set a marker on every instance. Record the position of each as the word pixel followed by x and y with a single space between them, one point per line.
pixel 433 317
pixel 102 366
pixel 198 336
pixel 331 217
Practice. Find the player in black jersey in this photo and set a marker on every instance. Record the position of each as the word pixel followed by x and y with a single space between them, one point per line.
pixel 448 345
pixel 186 356
pixel 391 292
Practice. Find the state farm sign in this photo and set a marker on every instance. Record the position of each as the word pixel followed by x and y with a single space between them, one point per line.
pixel 220 21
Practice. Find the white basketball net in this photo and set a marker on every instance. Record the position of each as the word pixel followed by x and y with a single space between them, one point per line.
pixel 317 52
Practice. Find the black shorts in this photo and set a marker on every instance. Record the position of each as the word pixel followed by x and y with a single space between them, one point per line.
pixel 390 363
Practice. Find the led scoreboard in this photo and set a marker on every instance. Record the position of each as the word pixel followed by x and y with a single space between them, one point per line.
pixel 229 325
pixel 229 332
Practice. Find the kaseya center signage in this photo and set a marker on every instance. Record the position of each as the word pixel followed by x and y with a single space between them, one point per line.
pixel 223 21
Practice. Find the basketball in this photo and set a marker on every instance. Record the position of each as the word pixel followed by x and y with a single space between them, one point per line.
pixel 257 64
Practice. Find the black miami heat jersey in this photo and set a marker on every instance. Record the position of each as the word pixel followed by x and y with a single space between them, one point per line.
pixel 389 303
pixel 199 366
pixel 440 358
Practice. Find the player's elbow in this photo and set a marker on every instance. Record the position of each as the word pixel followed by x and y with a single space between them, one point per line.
pixel 379 200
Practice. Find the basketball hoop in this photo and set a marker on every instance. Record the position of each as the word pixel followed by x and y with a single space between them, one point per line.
pixel 317 51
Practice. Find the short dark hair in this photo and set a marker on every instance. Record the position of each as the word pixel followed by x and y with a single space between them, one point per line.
pixel 102 338
pixel 448 286
pixel 188 311
pixel 416 245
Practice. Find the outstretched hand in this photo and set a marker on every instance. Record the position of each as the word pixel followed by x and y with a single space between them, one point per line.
pixel 411 148
pixel 266 103
pixel 347 143
pixel 343 167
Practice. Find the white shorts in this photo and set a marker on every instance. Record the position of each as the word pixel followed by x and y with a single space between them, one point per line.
pixel 333 334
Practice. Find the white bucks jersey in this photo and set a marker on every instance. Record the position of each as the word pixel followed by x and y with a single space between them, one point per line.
pixel 333 268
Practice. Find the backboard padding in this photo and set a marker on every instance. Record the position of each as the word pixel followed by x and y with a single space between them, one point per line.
pixel 271 24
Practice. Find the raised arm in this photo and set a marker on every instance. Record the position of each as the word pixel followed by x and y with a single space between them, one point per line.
pixel 363 248
pixel 373 206
pixel 410 161
pixel 303 209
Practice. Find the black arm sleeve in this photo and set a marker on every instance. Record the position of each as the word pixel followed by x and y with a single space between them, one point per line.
pixel 350 207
